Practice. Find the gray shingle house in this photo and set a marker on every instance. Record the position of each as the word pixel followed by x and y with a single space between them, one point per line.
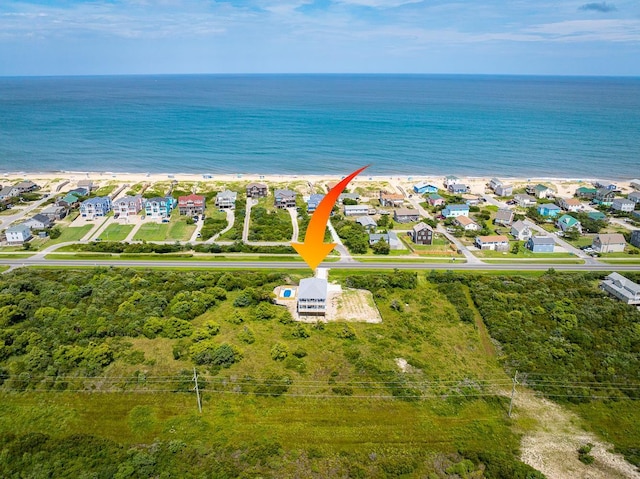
pixel 312 296
pixel 622 288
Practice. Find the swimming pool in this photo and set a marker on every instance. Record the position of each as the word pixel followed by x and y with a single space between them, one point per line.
pixel 287 293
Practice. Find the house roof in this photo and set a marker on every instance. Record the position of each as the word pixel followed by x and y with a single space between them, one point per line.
pixel 457 207
pixel 465 220
pixel 41 218
pixel 53 209
pixel 366 221
pixel 611 238
pixel 571 201
pixel 496 181
pixel 549 206
pixel 435 196
pixel 315 198
pixel 6 190
pixel 623 201
pixel 19 228
pixel 227 194
pixel 624 282
pixel 159 199
pixel 635 194
pixel 568 220
pixel 406 212
pixel 282 194
pixel 504 214
pixel 524 197
pixel 519 225
pixel 605 191
pixel 542 240
pixel 257 185
pixel 458 186
pixel 596 215
pixel 312 288
pixel 493 239
pixel 351 196
pixel 127 199
pixel 541 187
pixel 391 196
pixel 421 226
pixel 98 200
pixel 196 199
pixel 26 184
pixel 378 237
pixel 356 207
pixel 586 189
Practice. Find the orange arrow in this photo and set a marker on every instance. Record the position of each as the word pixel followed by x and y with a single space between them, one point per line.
pixel 314 250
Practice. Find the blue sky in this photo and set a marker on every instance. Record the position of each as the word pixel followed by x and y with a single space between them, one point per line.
pixel 65 37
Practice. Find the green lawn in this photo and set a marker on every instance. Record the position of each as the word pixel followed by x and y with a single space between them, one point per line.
pixel 75 233
pixel 179 230
pixel 152 232
pixel 116 232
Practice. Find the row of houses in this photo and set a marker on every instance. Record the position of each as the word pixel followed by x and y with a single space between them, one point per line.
pixel 12 191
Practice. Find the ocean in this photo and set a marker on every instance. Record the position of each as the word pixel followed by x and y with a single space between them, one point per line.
pixel 576 127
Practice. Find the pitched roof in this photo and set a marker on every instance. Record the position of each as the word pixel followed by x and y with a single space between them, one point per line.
pixel 421 226
pixel 312 288
pixel 611 238
pixel 256 185
pixel 571 201
pixel 435 196
pixel 366 221
pixel 285 194
pixel 542 240
pixel 126 199
pixel 493 239
pixel 519 225
pixel 465 220
pixel 549 206
pixel 504 214
pixel 406 212
pixel 391 196
pixel 19 228
pixel 98 200
pixel 458 207
pixel 624 282
pixel 568 220
pixel 232 195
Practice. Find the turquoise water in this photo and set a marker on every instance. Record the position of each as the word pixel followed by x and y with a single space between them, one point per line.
pixel 297 124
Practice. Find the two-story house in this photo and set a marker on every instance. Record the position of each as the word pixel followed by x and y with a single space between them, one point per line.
pixel 127 206
pixel 285 199
pixel 95 207
pixel 226 199
pixel 257 190
pixel 159 207
pixel 421 233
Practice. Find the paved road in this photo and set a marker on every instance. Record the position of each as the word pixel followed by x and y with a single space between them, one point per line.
pixel 5 221
pixel 293 212
pixel 39 261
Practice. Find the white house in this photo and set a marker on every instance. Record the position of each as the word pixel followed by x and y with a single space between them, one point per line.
pixel 356 210
pixel 504 190
pixel 38 222
pixel 18 234
pixel 226 199
pixel 609 243
pixel 127 206
pixel 635 184
pixel 494 183
pixel 493 242
pixel 622 288
pixel 569 204
pixel 520 231
pixel 467 223
pixel 524 201
pixel 623 204
pixel 312 296
pixel 635 197
pixel 451 211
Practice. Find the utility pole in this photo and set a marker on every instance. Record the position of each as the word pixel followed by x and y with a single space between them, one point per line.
pixel 195 380
pixel 513 391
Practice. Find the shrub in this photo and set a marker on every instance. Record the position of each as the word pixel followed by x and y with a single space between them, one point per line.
pixel 208 352
pixel 279 352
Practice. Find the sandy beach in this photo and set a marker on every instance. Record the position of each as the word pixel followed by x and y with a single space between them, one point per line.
pixel 563 187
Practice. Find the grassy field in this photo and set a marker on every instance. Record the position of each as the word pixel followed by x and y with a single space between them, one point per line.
pixel 179 230
pixel 69 233
pixel 152 232
pixel 116 232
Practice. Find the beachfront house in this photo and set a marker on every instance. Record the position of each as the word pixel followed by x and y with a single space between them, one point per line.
pixel 191 205
pixel 127 206
pixel 435 200
pixel 504 190
pixel 609 243
pixel 421 233
pixel 95 207
pixel 622 288
pixel 391 199
pixel 355 210
pixel 159 207
pixel 540 191
pixel 586 193
pixel 623 205
pixel 569 204
pixel 568 222
pixel 504 216
pixel 87 185
pixel 524 201
pixel 466 223
pixel 38 222
pixel 368 222
pixel 451 211
pixel 18 234
pixel 54 212
pixel 80 191
pixel 492 242
pixel 8 192
pixel 422 188
pixel 458 188
pixel 313 202
pixel 350 197
pixel 26 186
pixel 604 196
pixel 540 244
pixel 606 184
pixel 257 190
pixel 635 184
pixel 226 199
pixel 494 183
pixel 405 215
pixel 635 238
pixel 549 209
pixel 312 297
pixel 635 197
pixel 285 199
pixel 450 180
pixel 520 231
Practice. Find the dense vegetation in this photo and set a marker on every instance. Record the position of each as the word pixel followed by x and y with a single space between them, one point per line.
pixel 274 225
pixel 280 398
pixel 164 248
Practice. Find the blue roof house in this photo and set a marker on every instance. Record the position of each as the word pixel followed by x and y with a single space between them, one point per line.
pixel 313 202
pixel 95 207
pixel 452 211
pixel 540 244
pixel 549 209
pixel 422 188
